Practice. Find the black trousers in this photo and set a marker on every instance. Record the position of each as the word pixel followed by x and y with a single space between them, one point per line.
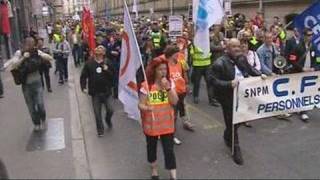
pixel 180 107
pixel 227 114
pixel 45 74
pixel 97 101
pixel 168 150
pixel 76 54
pixel 197 74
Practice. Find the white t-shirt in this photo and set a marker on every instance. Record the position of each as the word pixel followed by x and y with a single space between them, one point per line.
pixel 307 63
pixel 74 39
pixel 238 74
pixel 253 60
pixel 49 29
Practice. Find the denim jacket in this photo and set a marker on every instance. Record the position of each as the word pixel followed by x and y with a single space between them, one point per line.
pixel 266 57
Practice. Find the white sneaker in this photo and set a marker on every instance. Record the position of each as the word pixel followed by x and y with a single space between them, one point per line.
pixel 284 116
pixel 44 125
pixel 37 128
pixel 177 141
pixel 304 117
pixel 287 115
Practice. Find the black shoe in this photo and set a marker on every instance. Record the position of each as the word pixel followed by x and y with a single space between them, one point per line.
pixel 155 177
pixel 100 134
pixel 248 125
pixel 196 100
pixel 109 123
pixel 50 90
pixel 227 143
pixel 1 96
pixel 66 80
pixel 61 82
pixel 237 156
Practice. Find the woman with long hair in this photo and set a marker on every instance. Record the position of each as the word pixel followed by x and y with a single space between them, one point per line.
pixel 157 98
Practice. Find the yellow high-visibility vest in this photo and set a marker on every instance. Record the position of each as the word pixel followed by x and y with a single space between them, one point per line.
pixel 56 38
pixel 156 39
pixel 198 58
pixel 78 29
pixel 282 35
pixel 254 41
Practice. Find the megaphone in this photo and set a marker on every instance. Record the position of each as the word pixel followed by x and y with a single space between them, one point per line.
pixel 280 62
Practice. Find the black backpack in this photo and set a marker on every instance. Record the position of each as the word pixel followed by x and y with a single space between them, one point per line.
pixel 29 65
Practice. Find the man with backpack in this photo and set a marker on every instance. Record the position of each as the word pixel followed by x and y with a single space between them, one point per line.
pixel 25 66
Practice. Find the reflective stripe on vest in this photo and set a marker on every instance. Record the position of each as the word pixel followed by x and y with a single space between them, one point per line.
pixel 78 29
pixel 56 38
pixel 198 59
pixel 156 38
pixel 253 41
pixel 161 120
pixel 282 35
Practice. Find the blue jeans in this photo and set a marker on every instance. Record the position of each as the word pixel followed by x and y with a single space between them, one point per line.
pixel 33 95
pixel 62 67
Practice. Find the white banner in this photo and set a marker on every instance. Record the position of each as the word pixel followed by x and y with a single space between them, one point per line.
pixel 175 25
pixel 255 98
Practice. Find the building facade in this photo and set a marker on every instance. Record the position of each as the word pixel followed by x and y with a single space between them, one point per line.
pixel 270 8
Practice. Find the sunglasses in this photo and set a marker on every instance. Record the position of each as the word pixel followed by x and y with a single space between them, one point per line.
pixel 309 34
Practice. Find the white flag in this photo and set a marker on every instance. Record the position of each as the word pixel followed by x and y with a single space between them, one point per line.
pixel 129 64
pixel 206 13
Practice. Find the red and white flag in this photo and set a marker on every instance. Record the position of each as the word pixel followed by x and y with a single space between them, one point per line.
pixel 129 64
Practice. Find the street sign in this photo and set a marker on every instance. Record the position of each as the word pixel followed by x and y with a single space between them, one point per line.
pixel 227 8
pixel 175 26
pixel 45 11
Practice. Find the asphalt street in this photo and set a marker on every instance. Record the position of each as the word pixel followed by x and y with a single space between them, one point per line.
pixel 273 148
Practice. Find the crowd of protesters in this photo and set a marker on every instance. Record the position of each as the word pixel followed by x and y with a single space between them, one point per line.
pixel 240 47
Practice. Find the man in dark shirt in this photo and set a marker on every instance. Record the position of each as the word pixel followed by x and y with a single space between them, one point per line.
pixel 100 82
pixel 113 54
pixel 225 74
pixel 45 68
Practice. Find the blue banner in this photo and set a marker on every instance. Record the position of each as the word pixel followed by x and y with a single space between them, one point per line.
pixel 310 18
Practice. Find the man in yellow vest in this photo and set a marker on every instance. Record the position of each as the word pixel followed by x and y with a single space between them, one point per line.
pixel 56 40
pixel 158 40
pixel 200 64
pixel 256 41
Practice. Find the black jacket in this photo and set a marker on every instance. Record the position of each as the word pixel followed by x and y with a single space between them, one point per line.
pixel 99 80
pixel 296 55
pixel 222 72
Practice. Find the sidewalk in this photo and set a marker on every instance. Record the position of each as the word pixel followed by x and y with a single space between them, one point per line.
pixel 19 144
